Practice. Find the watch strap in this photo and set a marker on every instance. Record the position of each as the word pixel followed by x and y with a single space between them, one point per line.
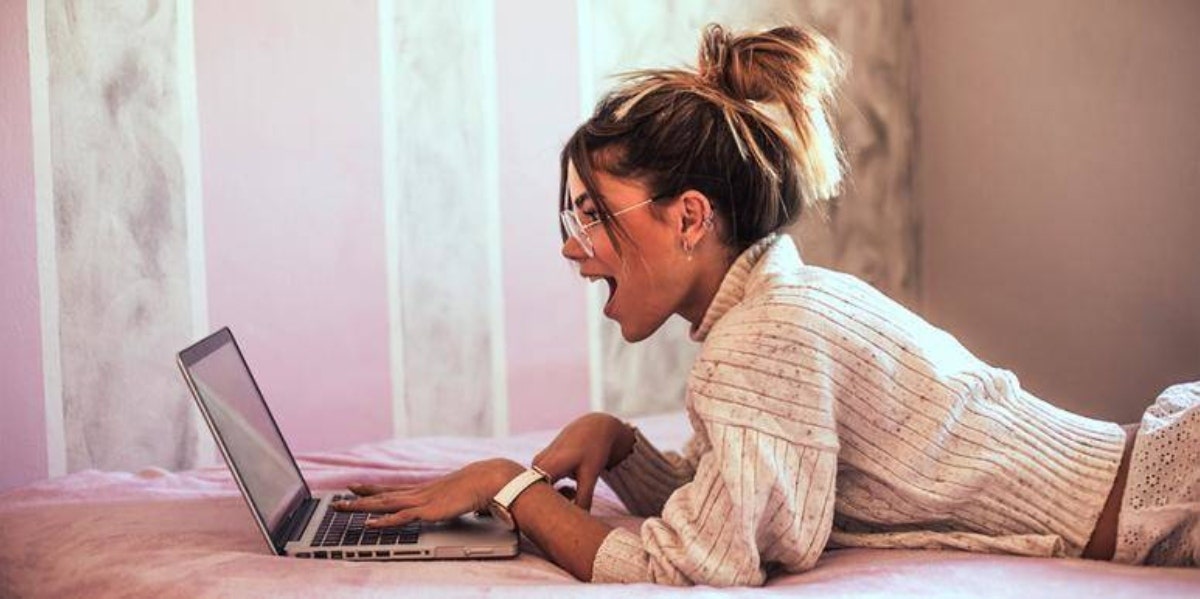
pixel 509 493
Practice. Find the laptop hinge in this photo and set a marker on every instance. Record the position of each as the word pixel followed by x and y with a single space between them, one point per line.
pixel 299 520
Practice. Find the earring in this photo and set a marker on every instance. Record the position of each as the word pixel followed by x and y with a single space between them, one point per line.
pixel 708 221
pixel 687 249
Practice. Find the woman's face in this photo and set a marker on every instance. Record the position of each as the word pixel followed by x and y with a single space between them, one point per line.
pixel 648 281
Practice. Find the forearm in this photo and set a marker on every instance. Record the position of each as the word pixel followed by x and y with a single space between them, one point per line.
pixel 566 533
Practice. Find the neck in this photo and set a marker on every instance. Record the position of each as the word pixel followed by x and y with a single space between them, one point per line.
pixel 711 269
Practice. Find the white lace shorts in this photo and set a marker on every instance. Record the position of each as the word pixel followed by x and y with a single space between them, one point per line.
pixel 1159 522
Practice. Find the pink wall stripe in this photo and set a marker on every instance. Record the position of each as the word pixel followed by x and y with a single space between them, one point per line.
pixel 547 345
pixel 288 97
pixel 23 423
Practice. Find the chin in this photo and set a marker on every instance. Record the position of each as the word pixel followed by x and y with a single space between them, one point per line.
pixel 633 336
pixel 634 333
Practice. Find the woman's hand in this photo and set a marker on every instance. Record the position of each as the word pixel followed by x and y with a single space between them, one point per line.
pixel 583 449
pixel 468 489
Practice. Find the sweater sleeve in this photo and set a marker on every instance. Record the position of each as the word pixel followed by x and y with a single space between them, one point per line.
pixel 647 477
pixel 762 492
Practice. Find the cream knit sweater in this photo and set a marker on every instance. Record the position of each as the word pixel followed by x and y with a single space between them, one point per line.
pixel 827 415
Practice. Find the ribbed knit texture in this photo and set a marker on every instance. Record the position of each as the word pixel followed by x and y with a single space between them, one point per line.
pixel 825 414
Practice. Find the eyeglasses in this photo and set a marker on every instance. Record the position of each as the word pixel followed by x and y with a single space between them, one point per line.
pixel 579 231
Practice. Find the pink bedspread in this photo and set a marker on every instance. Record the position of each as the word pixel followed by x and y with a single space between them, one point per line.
pixel 189 534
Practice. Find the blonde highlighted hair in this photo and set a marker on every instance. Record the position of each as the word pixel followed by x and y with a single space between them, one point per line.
pixel 749 127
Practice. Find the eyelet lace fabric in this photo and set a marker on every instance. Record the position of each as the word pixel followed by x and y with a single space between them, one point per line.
pixel 1159 522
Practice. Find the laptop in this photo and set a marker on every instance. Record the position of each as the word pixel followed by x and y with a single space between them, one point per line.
pixel 295 521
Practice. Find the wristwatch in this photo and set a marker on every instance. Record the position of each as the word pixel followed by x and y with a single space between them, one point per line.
pixel 500 504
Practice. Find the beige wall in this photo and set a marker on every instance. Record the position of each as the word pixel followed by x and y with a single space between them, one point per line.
pixel 1059 183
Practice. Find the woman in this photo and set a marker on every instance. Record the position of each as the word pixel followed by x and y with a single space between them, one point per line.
pixel 824 413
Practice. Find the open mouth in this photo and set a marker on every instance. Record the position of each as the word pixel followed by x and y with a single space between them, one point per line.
pixel 612 292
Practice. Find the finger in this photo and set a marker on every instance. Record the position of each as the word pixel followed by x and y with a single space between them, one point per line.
pixel 366 490
pixel 545 465
pixel 399 518
pixel 549 470
pixel 383 503
pixel 554 465
pixel 586 486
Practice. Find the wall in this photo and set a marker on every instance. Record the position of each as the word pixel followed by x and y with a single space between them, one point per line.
pixel 23 428
pixel 368 200
pixel 330 188
pixel 293 242
pixel 538 97
pixel 135 250
pixel 1059 182
pixel 120 239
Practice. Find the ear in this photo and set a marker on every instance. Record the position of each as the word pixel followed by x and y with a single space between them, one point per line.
pixel 696 216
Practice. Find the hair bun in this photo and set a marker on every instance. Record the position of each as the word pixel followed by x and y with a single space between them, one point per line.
pixel 714 51
pixel 768 66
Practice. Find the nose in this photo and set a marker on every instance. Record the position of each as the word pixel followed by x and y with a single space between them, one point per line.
pixel 573 251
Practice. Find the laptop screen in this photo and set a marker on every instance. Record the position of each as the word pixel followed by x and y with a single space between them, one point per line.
pixel 247 432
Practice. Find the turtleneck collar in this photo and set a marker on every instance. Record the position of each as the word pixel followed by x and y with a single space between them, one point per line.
pixel 767 257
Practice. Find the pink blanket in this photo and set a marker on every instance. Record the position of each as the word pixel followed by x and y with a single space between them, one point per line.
pixel 189 534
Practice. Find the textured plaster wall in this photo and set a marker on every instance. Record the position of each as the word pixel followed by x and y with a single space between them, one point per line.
pixel 121 249
pixel 443 124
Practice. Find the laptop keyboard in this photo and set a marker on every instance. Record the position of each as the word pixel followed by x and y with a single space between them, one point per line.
pixel 350 528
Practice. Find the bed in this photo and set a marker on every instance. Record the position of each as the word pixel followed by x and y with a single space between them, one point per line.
pixel 162 534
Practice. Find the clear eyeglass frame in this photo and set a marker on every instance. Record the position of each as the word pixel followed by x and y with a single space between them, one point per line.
pixel 578 231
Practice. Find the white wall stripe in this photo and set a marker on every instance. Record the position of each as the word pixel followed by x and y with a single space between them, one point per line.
pixel 595 300
pixel 47 238
pixel 491 174
pixel 389 125
pixel 193 196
